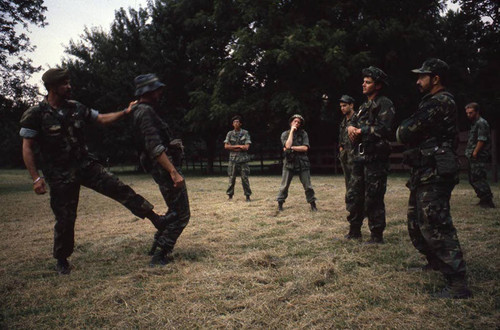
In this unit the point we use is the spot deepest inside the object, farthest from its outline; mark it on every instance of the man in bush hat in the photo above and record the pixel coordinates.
(430, 135)
(295, 145)
(56, 126)
(162, 156)
(345, 146)
(369, 132)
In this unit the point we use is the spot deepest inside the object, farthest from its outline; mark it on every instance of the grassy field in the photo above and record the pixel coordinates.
(238, 264)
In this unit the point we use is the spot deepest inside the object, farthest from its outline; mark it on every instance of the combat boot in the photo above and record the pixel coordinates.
(354, 233)
(487, 204)
(248, 199)
(456, 288)
(161, 257)
(313, 207)
(375, 239)
(280, 206)
(164, 220)
(63, 267)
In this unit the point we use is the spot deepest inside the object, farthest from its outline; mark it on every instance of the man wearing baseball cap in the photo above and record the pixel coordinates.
(430, 135)
(346, 104)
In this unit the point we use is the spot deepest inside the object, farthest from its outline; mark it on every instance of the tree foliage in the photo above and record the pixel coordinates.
(15, 67)
(268, 59)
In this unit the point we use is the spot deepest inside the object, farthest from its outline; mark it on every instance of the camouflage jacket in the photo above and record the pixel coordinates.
(153, 136)
(59, 134)
(430, 134)
(297, 161)
(241, 137)
(344, 140)
(374, 118)
(479, 131)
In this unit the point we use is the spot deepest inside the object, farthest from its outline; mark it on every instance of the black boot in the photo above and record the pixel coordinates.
(313, 207)
(354, 233)
(280, 206)
(375, 239)
(487, 204)
(248, 199)
(162, 221)
(161, 257)
(63, 267)
(456, 288)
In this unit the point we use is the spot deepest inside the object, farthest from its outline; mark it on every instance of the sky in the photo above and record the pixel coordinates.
(67, 20)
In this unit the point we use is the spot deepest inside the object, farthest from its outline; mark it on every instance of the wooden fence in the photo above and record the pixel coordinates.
(324, 159)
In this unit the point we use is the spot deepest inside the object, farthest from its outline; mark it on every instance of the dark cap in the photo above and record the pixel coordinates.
(346, 99)
(297, 116)
(146, 83)
(433, 66)
(54, 76)
(376, 74)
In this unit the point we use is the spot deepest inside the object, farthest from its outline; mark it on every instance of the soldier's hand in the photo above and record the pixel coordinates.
(39, 187)
(177, 179)
(353, 132)
(130, 107)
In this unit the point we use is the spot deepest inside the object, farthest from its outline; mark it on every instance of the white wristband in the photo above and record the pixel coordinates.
(38, 179)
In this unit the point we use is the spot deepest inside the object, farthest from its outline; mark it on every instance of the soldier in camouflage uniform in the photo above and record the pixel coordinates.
(295, 145)
(238, 142)
(430, 134)
(478, 155)
(369, 131)
(162, 156)
(56, 125)
(345, 145)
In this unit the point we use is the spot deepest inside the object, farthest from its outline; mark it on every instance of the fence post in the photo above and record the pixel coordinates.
(494, 151)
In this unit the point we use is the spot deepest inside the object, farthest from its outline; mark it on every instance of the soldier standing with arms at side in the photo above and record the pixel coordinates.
(238, 142)
(56, 125)
(369, 131)
(430, 134)
(295, 143)
(478, 154)
(162, 157)
(345, 145)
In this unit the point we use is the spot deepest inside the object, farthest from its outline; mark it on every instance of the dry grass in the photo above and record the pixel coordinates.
(237, 264)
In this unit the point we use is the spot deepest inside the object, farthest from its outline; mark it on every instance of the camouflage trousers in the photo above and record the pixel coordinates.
(478, 179)
(346, 163)
(365, 195)
(431, 227)
(233, 169)
(286, 179)
(64, 195)
(177, 201)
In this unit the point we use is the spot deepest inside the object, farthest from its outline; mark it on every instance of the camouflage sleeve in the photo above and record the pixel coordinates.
(228, 136)
(483, 131)
(144, 123)
(382, 124)
(247, 138)
(420, 123)
(30, 123)
(284, 137)
(305, 139)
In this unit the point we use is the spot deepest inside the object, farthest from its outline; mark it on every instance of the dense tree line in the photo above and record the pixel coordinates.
(268, 59)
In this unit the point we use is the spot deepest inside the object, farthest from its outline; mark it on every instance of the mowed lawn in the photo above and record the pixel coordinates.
(238, 264)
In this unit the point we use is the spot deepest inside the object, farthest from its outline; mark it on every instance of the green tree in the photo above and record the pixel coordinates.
(15, 67)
